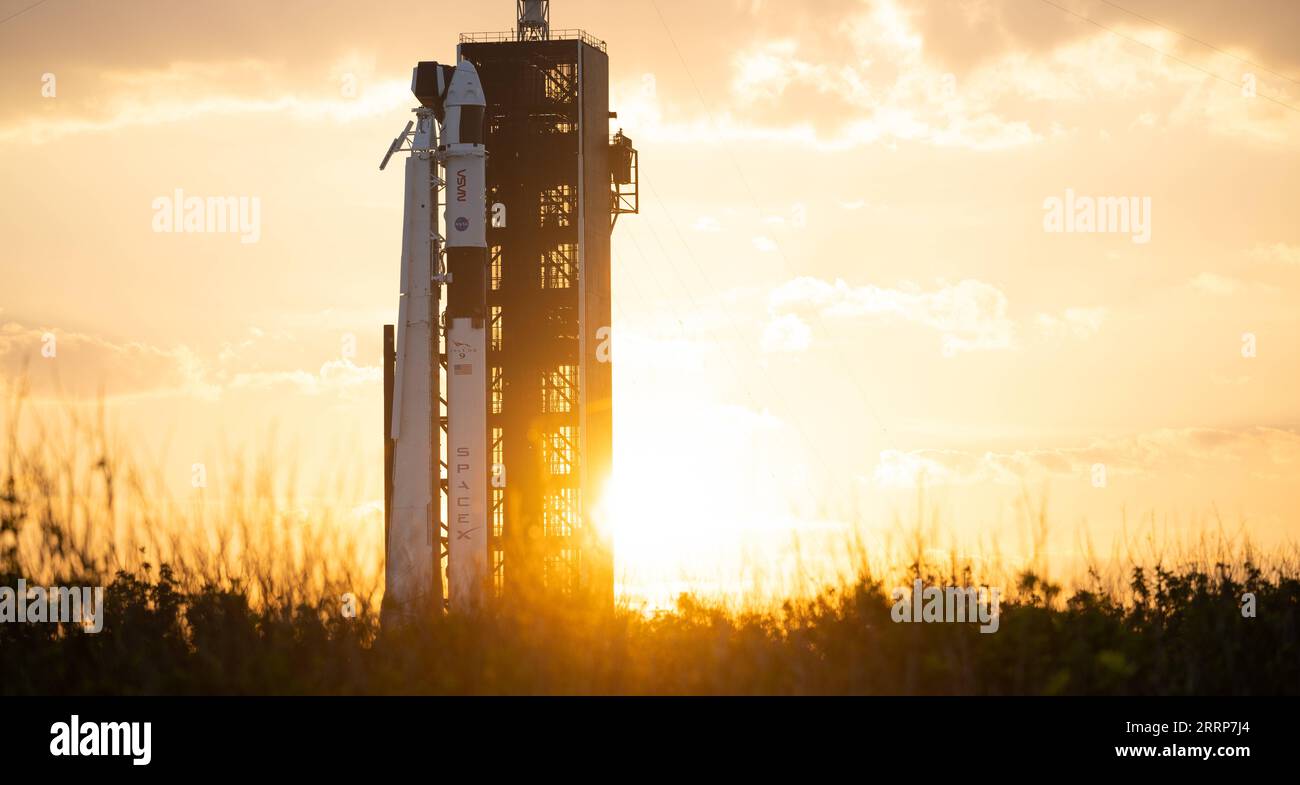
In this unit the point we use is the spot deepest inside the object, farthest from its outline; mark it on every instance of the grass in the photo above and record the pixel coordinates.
(235, 599)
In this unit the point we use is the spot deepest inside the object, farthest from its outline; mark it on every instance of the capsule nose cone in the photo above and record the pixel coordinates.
(465, 89)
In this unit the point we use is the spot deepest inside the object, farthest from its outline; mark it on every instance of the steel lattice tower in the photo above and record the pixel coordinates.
(556, 182)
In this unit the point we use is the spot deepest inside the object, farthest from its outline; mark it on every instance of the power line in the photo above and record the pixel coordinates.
(1162, 53)
(793, 412)
(20, 13)
(754, 201)
(1206, 44)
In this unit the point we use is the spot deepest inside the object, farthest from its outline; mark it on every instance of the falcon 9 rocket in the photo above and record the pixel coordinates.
(453, 97)
(463, 158)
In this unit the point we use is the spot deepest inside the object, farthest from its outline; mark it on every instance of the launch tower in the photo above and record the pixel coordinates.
(556, 182)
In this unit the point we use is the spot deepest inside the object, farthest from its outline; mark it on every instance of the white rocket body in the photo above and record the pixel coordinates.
(413, 589)
(454, 99)
(463, 157)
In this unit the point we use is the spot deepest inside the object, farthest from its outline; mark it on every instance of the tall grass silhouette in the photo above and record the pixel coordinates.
(237, 596)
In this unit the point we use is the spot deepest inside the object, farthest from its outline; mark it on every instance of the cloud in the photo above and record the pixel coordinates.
(62, 364)
(1147, 452)
(991, 76)
(786, 333)
(872, 85)
(57, 362)
(186, 92)
(1078, 323)
(269, 360)
(901, 469)
(335, 377)
(1277, 253)
(969, 315)
(766, 70)
(1217, 285)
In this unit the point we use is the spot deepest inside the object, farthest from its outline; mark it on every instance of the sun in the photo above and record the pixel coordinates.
(688, 520)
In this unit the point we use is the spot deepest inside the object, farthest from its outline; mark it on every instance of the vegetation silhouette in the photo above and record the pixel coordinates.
(251, 604)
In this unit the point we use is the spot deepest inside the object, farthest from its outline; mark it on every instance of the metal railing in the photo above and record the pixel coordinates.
(513, 35)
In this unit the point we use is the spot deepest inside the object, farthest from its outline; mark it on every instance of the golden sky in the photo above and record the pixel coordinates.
(841, 284)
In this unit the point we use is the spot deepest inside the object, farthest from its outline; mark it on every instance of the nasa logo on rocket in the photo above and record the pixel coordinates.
(462, 223)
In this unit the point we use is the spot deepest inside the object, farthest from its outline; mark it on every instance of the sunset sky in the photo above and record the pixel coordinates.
(839, 287)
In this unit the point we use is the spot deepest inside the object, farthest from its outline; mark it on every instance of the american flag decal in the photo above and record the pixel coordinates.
(462, 369)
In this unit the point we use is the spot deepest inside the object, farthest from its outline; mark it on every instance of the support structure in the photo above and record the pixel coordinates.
(556, 180)
(524, 373)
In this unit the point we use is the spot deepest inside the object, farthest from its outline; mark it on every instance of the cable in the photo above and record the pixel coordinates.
(1206, 44)
(737, 377)
(785, 262)
(20, 13)
(1112, 31)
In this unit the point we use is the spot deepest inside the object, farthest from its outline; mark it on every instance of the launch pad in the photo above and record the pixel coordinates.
(555, 183)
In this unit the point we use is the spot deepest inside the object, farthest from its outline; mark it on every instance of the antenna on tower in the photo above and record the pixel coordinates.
(533, 19)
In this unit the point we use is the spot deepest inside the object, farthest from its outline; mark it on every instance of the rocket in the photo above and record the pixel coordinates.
(412, 563)
(453, 99)
(463, 157)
